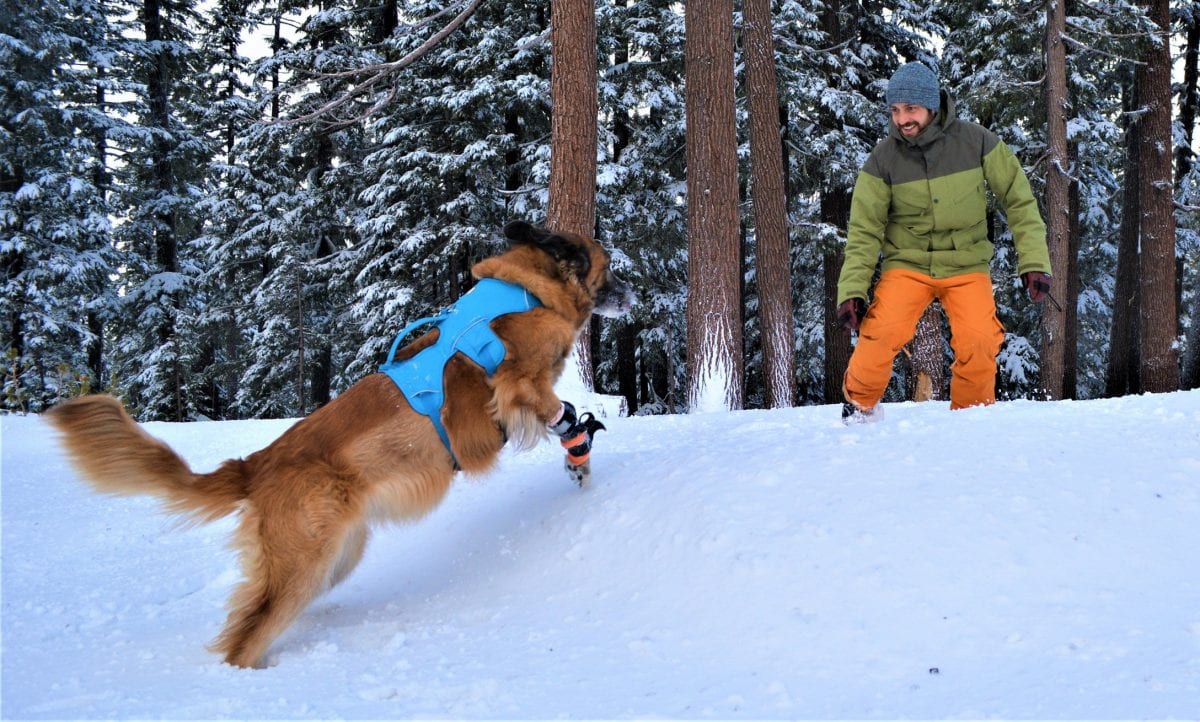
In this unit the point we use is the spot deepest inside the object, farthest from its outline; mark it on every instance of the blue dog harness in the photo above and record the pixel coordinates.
(463, 327)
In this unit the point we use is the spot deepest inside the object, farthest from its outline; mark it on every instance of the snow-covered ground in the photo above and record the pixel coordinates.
(1027, 560)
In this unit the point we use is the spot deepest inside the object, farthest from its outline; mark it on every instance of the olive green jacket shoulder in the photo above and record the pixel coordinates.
(922, 203)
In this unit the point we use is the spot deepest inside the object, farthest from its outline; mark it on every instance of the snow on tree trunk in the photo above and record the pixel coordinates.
(713, 381)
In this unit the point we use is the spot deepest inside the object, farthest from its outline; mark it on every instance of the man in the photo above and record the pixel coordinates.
(920, 202)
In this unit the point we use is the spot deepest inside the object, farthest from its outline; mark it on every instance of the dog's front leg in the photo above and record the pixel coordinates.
(576, 433)
(524, 407)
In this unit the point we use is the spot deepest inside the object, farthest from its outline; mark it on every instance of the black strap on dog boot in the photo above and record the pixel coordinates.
(576, 434)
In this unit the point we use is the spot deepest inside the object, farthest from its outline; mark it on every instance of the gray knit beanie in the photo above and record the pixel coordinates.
(914, 83)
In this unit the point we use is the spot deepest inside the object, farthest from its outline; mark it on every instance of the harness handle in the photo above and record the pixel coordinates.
(409, 329)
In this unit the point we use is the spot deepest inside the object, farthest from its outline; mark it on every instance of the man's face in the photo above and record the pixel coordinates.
(911, 119)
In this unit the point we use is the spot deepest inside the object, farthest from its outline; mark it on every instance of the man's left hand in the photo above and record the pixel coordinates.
(1037, 284)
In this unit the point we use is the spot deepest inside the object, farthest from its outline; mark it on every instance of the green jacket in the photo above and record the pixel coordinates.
(921, 202)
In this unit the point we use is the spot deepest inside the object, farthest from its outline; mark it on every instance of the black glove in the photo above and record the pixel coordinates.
(1037, 284)
(850, 313)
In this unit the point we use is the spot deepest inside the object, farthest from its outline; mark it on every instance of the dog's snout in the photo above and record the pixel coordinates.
(616, 296)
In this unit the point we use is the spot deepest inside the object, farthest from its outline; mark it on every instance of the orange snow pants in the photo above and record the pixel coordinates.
(901, 296)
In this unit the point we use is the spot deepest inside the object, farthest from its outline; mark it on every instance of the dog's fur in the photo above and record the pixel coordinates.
(307, 499)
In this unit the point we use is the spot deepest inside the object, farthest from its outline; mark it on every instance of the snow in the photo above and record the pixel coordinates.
(712, 387)
(1025, 560)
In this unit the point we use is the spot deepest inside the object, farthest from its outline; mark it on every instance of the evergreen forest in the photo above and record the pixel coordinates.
(226, 209)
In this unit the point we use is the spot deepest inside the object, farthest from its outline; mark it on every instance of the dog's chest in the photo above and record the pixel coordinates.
(406, 496)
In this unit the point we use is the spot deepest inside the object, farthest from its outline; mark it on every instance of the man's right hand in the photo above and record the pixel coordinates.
(850, 313)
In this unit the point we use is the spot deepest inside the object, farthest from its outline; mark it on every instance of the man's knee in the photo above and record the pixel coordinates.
(886, 333)
(977, 340)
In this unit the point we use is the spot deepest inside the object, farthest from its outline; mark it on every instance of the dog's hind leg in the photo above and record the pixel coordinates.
(349, 555)
(288, 561)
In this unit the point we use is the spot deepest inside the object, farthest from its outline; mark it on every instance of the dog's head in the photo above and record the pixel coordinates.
(582, 260)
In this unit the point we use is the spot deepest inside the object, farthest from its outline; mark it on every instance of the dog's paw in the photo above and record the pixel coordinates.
(581, 474)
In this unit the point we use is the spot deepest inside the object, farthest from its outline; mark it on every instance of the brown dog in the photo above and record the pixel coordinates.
(307, 499)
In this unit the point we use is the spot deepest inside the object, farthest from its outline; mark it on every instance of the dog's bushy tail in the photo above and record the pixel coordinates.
(118, 457)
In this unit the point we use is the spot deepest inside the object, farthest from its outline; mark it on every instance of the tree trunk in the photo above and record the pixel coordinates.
(101, 179)
(1185, 158)
(632, 376)
(302, 406)
(1121, 374)
(512, 157)
(1058, 222)
(1189, 97)
(773, 260)
(714, 311)
(572, 203)
(277, 46)
(387, 19)
(627, 366)
(835, 211)
(1071, 303)
(927, 358)
(1159, 358)
(1191, 370)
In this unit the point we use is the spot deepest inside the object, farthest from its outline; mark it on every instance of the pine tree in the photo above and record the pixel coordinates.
(222, 287)
(466, 150)
(248, 235)
(54, 227)
(288, 215)
(640, 211)
(156, 188)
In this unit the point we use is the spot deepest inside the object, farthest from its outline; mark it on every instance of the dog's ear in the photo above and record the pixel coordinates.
(559, 248)
(523, 232)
